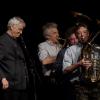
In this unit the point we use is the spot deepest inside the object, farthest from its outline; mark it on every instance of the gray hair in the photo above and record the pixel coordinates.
(16, 21)
(48, 26)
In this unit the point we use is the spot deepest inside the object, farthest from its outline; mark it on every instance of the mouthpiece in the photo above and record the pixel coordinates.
(61, 39)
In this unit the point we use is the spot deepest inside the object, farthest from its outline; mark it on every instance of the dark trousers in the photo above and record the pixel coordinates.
(66, 90)
(54, 90)
(10, 94)
(88, 91)
(48, 89)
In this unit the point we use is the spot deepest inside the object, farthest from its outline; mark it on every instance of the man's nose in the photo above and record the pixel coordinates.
(82, 35)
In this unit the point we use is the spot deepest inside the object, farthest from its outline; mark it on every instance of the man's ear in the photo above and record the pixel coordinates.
(11, 28)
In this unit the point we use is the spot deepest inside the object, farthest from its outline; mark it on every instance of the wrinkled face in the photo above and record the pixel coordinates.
(73, 39)
(83, 34)
(53, 34)
(17, 30)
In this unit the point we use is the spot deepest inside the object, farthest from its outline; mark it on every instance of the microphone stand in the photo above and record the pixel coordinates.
(31, 69)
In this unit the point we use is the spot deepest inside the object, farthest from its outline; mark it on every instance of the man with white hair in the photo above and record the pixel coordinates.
(13, 70)
(48, 51)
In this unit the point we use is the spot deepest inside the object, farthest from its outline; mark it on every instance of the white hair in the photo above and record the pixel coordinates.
(15, 21)
(48, 26)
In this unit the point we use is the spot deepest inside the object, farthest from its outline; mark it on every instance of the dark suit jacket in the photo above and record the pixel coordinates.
(12, 63)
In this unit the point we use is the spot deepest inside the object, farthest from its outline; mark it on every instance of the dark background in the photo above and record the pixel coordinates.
(38, 13)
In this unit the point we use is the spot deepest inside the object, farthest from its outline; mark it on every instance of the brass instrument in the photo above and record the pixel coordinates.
(92, 53)
(61, 39)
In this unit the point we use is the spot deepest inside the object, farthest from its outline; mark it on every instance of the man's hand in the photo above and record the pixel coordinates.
(5, 83)
(86, 63)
